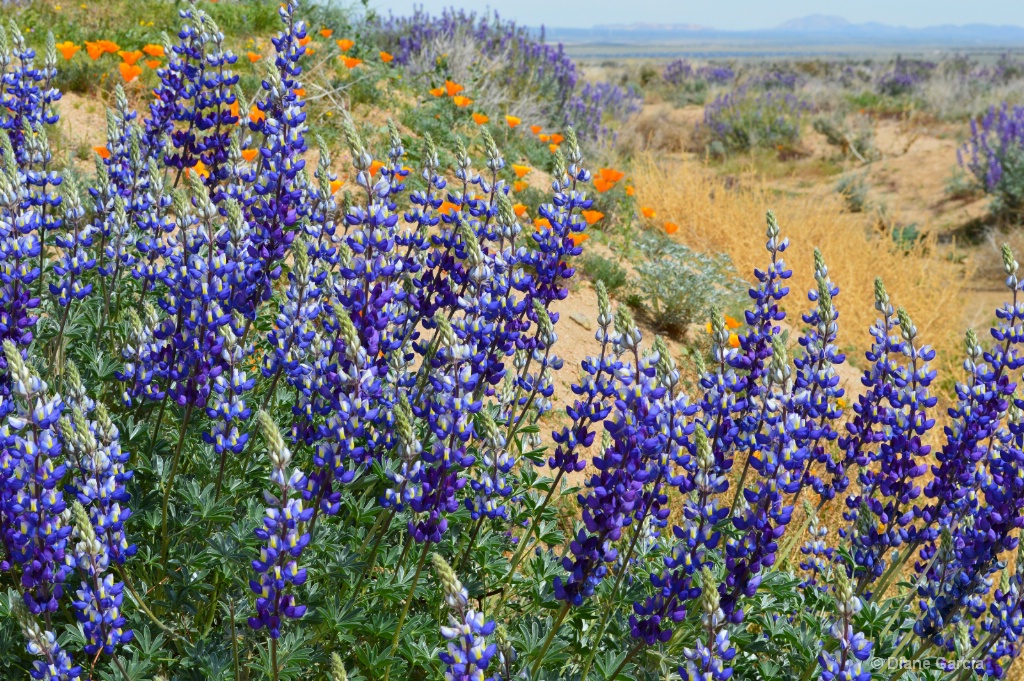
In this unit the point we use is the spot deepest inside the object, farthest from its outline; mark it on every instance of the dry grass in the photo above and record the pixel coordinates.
(713, 217)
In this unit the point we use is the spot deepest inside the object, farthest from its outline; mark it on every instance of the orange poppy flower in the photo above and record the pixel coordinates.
(154, 50)
(732, 323)
(544, 138)
(255, 115)
(326, 32)
(94, 49)
(250, 154)
(67, 49)
(234, 108)
(200, 169)
(253, 57)
(310, 50)
(647, 212)
(557, 139)
(480, 119)
(578, 239)
(102, 152)
(519, 186)
(602, 185)
(521, 171)
(453, 88)
(447, 207)
(130, 58)
(538, 223)
(513, 121)
(437, 92)
(153, 63)
(592, 216)
(611, 175)
(351, 62)
(553, 147)
(535, 129)
(519, 209)
(129, 71)
(300, 92)
(304, 41)
(734, 340)
(387, 58)
(344, 44)
(671, 228)
(374, 167)
(335, 186)
(109, 46)
(630, 191)
(461, 101)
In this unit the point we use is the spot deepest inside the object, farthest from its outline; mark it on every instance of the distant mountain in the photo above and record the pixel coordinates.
(816, 29)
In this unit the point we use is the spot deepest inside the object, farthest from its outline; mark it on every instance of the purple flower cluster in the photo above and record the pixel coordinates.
(994, 153)
(748, 118)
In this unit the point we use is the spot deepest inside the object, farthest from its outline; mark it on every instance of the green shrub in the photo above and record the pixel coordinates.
(609, 272)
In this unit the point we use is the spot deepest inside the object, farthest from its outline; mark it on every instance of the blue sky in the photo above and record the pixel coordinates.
(730, 14)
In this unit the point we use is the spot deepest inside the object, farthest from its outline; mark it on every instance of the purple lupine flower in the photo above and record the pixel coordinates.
(819, 554)
(35, 530)
(710, 659)
(847, 663)
(76, 259)
(468, 655)
(283, 537)
(56, 664)
(1005, 626)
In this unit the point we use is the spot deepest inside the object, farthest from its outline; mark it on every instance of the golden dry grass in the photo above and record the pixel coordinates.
(715, 218)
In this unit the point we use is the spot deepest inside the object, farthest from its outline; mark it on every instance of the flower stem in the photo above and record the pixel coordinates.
(551, 637)
(164, 538)
(405, 609)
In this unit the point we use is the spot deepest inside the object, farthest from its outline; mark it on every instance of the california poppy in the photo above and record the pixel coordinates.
(335, 186)
(386, 58)
(734, 340)
(592, 216)
(326, 32)
(130, 58)
(102, 152)
(109, 46)
(520, 171)
(200, 169)
(453, 88)
(578, 239)
(480, 119)
(129, 71)
(67, 49)
(344, 44)
(253, 56)
(255, 115)
(553, 147)
(557, 139)
(731, 322)
(541, 222)
(461, 101)
(535, 129)
(94, 49)
(249, 154)
(602, 185)
(304, 41)
(153, 63)
(300, 92)
(375, 165)
(519, 209)
(544, 138)
(647, 212)
(611, 175)
(446, 208)
(630, 191)
(351, 62)
(512, 121)
(154, 50)
(233, 109)
(437, 91)
(519, 185)
(671, 228)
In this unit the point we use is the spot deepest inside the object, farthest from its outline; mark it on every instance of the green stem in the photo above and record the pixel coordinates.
(273, 659)
(165, 539)
(142, 604)
(469, 547)
(632, 653)
(551, 637)
(405, 609)
(372, 559)
(234, 636)
(159, 421)
(605, 616)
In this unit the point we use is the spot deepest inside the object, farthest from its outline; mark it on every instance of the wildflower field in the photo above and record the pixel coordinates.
(342, 345)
